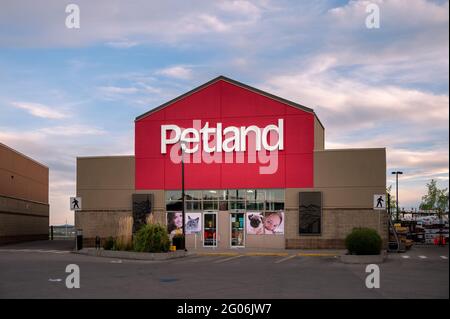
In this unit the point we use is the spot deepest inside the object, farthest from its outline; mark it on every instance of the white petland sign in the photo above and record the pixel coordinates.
(228, 139)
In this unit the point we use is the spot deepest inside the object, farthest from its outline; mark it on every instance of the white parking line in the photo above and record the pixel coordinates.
(36, 251)
(444, 257)
(284, 259)
(406, 257)
(116, 261)
(227, 259)
(423, 257)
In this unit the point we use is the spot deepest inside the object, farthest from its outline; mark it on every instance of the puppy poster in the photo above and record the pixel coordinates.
(267, 223)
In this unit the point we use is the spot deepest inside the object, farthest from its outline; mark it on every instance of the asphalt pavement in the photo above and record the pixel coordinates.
(37, 270)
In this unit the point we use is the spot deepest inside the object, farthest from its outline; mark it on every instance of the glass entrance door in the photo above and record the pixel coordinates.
(237, 223)
(210, 229)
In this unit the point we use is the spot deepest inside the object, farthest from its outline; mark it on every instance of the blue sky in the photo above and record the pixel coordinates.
(75, 92)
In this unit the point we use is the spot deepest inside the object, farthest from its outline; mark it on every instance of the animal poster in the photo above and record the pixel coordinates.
(193, 223)
(268, 223)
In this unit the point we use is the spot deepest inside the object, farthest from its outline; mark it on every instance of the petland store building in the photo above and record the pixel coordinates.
(256, 175)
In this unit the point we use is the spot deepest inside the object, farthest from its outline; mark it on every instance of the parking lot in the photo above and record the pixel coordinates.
(38, 271)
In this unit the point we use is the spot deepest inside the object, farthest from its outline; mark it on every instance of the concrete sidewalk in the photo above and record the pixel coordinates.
(266, 252)
(43, 245)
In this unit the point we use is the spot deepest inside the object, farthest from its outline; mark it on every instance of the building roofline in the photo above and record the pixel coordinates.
(23, 155)
(103, 156)
(237, 83)
(352, 149)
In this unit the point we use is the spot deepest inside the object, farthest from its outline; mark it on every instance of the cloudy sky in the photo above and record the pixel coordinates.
(75, 92)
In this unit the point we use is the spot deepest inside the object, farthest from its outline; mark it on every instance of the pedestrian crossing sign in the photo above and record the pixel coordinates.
(75, 203)
(379, 201)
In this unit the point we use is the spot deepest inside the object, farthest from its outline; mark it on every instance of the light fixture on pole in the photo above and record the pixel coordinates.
(183, 210)
(396, 173)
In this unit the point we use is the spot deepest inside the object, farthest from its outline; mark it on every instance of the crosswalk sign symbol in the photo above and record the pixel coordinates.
(75, 203)
(379, 201)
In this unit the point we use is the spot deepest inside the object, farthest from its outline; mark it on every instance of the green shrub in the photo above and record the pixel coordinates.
(109, 243)
(363, 241)
(151, 238)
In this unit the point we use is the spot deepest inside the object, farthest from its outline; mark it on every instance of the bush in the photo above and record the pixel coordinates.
(363, 241)
(151, 238)
(123, 243)
(109, 243)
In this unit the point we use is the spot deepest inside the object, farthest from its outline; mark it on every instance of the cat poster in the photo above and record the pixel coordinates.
(193, 223)
(268, 223)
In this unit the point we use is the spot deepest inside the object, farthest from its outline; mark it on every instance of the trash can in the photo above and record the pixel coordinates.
(79, 242)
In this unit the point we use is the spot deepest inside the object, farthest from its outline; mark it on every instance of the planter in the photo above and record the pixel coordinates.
(363, 259)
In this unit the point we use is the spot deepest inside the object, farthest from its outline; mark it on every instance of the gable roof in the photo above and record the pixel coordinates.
(237, 83)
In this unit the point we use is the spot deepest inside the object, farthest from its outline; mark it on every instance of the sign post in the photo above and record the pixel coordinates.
(379, 203)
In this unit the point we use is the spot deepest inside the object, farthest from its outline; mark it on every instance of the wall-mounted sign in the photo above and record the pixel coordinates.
(379, 201)
(220, 128)
(75, 203)
(230, 139)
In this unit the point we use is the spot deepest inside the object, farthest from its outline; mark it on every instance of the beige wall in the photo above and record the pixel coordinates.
(22, 177)
(105, 183)
(347, 179)
(319, 135)
(24, 209)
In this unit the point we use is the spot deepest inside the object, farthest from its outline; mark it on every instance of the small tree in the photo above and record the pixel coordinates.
(436, 199)
(392, 203)
(363, 241)
(151, 238)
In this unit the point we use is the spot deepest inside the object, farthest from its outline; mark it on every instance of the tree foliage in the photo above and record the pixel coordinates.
(436, 199)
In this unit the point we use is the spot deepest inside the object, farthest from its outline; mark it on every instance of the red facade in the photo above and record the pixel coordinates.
(232, 105)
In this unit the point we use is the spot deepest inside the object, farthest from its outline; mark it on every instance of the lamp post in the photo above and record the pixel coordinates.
(183, 197)
(396, 173)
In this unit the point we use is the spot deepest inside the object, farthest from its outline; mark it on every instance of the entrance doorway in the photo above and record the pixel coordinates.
(210, 229)
(237, 237)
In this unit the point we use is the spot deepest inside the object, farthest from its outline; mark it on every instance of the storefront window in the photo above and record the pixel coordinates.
(259, 206)
(210, 205)
(237, 205)
(274, 205)
(232, 199)
(255, 194)
(211, 194)
(174, 205)
(275, 195)
(173, 195)
(193, 205)
(193, 195)
(236, 194)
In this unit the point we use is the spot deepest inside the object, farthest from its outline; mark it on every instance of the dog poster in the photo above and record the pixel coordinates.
(268, 223)
(193, 223)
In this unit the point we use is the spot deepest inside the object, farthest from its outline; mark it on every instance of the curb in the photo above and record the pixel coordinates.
(131, 254)
(316, 255)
